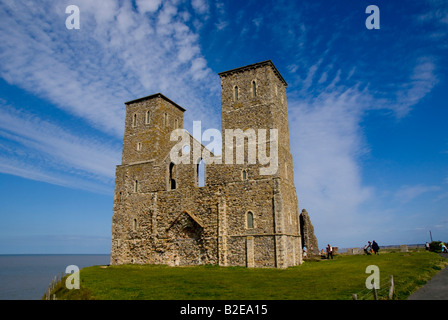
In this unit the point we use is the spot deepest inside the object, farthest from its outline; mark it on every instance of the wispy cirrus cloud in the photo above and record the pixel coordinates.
(327, 144)
(408, 193)
(119, 53)
(331, 91)
(40, 150)
(337, 72)
(200, 6)
(421, 81)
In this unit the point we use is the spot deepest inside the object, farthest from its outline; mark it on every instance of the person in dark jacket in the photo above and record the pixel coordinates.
(375, 247)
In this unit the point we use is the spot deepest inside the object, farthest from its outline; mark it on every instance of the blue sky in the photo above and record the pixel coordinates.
(367, 108)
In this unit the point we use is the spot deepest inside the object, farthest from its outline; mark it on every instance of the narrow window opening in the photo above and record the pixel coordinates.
(176, 123)
(172, 181)
(134, 224)
(134, 120)
(254, 89)
(235, 93)
(165, 120)
(201, 173)
(244, 173)
(135, 185)
(148, 117)
(139, 146)
(250, 220)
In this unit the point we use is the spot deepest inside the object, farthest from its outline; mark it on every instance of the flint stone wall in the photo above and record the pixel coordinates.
(309, 239)
(156, 223)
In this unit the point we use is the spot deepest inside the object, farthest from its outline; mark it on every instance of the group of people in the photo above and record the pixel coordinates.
(371, 247)
(443, 247)
(328, 253)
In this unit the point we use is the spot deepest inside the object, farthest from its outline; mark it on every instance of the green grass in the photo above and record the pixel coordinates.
(320, 280)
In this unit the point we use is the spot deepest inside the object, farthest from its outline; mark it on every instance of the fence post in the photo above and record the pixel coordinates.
(392, 287)
(375, 293)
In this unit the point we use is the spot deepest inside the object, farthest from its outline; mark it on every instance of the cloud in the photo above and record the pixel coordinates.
(437, 12)
(328, 102)
(91, 72)
(50, 153)
(200, 6)
(421, 81)
(122, 53)
(258, 22)
(221, 21)
(119, 54)
(148, 5)
(327, 143)
(221, 24)
(16, 167)
(408, 193)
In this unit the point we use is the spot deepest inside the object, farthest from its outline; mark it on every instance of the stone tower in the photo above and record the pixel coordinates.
(246, 214)
(254, 97)
(149, 121)
(309, 239)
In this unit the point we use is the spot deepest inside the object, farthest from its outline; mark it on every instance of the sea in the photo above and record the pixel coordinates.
(27, 276)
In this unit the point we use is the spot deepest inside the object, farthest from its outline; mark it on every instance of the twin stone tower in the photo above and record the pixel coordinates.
(236, 210)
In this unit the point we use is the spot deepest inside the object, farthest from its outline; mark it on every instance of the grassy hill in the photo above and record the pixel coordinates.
(334, 279)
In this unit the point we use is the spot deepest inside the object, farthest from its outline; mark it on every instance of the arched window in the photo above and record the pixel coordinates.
(134, 224)
(135, 185)
(134, 120)
(165, 120)
(250, 220)
(147, 117)
(172, 181)
(244, 174)
(139, 146)
(201, 173)
(235, 93)
(254, 89)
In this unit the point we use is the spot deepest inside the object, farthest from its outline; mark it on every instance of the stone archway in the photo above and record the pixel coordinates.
(185, 240)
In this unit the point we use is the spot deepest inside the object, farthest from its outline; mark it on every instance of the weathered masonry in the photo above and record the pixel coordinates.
(163, 214)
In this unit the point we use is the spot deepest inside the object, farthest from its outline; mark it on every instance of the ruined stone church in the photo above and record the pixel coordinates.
(164, 214)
